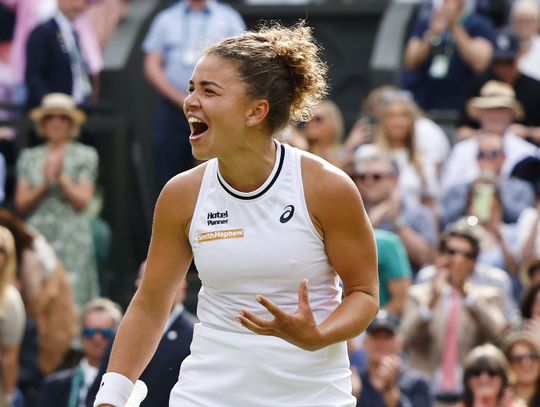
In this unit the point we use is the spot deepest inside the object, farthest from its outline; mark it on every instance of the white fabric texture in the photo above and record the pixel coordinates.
(262, 242)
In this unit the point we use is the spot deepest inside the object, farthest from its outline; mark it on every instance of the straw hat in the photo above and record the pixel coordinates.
(492, 95)
(58, 103)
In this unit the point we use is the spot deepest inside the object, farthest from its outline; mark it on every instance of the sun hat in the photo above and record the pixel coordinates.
(58, 103)
(492, 95)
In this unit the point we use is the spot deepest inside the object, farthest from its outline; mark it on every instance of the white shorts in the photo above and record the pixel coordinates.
(227, 369)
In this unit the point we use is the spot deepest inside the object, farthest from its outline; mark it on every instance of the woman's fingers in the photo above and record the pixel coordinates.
(303, 297)
(252, 326)
(254, 319)
(271, 307)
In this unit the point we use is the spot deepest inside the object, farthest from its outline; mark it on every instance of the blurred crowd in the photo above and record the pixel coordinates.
(455, 209)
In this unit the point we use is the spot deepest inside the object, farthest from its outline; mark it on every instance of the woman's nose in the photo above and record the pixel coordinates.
(191, 100)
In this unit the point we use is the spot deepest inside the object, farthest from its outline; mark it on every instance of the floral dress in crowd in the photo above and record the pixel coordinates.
(67, 230)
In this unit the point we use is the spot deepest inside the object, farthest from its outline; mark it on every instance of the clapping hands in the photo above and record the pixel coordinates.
(299, 328)
(52, 168)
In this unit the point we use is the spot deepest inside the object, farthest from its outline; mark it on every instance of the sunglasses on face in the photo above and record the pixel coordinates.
(91, 332)
(62, 117)
(533, 357)
(482, 154)
(452, 252)
(478, 371)
(375, 177)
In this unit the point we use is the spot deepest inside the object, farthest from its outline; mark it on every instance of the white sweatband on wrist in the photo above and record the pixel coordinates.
(114, 389)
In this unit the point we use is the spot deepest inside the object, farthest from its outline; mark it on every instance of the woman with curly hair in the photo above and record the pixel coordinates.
(260, 219)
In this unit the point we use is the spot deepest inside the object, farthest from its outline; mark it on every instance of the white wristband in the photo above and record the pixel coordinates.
(114, 389)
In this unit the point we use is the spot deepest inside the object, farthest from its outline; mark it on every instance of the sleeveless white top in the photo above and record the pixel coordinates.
(261, 242)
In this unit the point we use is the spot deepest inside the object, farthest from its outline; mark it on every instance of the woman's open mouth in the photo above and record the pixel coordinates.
(198, 127)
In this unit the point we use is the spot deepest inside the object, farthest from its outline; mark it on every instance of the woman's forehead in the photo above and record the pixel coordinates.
(214, 68)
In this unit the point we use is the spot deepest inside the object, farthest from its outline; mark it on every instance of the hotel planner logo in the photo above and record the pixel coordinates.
(217, 218)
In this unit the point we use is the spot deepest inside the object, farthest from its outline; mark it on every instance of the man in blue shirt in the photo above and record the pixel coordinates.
(176, 39)
(385, 382)
(445, 51)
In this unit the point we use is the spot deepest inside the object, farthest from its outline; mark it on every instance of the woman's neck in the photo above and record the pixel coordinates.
(396, 144)
(249, 167)
(524, 391)
(57, 145)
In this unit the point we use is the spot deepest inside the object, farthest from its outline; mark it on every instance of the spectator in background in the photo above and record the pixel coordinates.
(324, 132)
(55, 61)
(523, 352)
(496, 109)
(173, 45)
(504, 68)
(498, 239)
(444, 52)
(528, 230)
(394, 271)
(12, 320)
(387, 382)
(525, 21)
(99, 320)
(46, 291)
(29, 14)
(515, 195)
(418, 181)
(55, 183)
(430, 139)
(481, 274)
(376, 176)
(487, 379)
(449, 315)
(530, 310)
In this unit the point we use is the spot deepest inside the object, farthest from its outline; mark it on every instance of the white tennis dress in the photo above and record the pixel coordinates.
(261, 242)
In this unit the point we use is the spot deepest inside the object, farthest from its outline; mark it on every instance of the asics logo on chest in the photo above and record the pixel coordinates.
(288, 214)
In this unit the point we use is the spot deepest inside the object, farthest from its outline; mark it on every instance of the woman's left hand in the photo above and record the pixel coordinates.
(298, 328)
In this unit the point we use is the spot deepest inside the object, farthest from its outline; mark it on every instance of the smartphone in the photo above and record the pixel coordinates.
(482, 202)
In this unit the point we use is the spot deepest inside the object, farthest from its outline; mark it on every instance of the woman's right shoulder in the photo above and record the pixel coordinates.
(31, 151)
(180, 193)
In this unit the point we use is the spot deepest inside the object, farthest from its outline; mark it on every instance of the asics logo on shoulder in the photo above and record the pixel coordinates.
(287, 215)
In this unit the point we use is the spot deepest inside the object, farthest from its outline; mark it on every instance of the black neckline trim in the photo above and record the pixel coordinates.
(272, 182)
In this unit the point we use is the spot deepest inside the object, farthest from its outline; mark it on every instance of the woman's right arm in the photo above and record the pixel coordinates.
(169, 258)
(27, 196)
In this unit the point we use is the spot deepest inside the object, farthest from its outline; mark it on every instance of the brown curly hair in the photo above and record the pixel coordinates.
(281, 65)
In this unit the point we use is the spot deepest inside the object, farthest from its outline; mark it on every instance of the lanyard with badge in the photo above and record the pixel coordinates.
(193, 47)
(443, 52)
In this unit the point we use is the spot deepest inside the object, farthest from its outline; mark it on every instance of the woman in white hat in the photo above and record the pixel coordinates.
(55, 183)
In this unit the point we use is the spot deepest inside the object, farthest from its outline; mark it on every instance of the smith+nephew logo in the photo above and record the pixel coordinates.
(220, 234)
(217, 218)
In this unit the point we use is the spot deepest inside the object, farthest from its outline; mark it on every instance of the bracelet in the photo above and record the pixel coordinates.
(114, 389)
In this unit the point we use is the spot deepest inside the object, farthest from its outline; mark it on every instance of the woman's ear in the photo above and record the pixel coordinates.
(258, 112)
